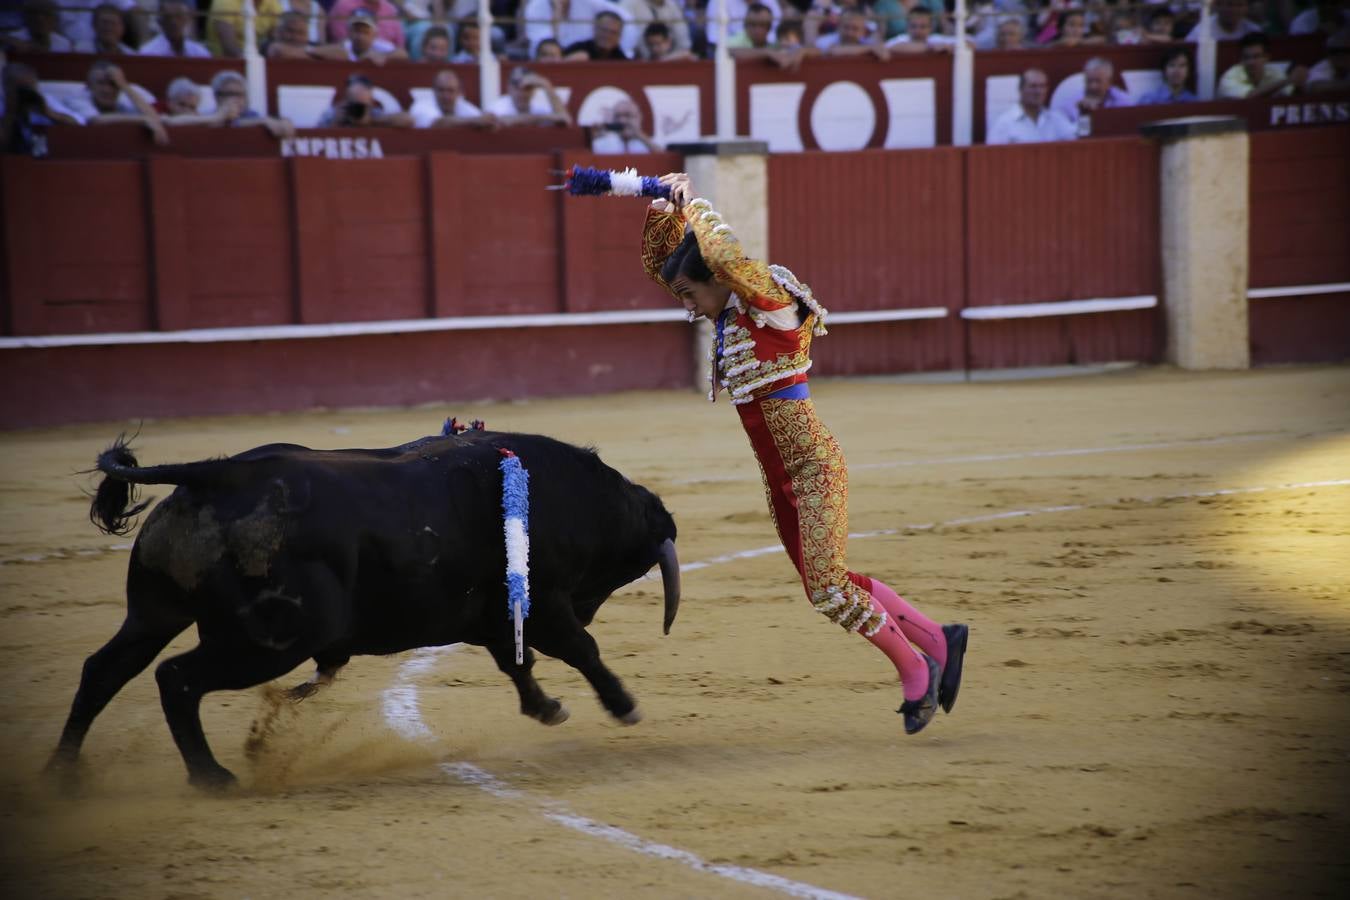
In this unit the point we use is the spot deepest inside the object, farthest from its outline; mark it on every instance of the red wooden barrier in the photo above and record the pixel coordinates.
(1300, 235)
(496, 239)
(223, 240)
(134, 142)
(77, 247)
(1302, 111)
(875, 230)
(1067, 221)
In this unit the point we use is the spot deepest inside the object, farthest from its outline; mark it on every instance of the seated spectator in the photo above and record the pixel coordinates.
(791, 35)
(988, 15)
(77, 23)
(313, 14)
(1029, 121)
(530, 99)
(736, 13)
(752, 42)
(1125, 30)
(225, 25)
(623, 132)
(1012, 34)
(363, 43)
(643, 13)
(468, 42)
(40, 33)
(108, 99)
(548, 50)
(1073, 29)
(359, 109)
(569, 22)
(852, 38)
(659, 47)
(175, 33)
(1159, 25)
(607, 31)
(919, 36)
(28, 113)
(1332, 73)
(449, 109)
(757, 28)
(435, 45)
(893, 15)
(290, 38)
(182, 98)
(1253, 76)
(230, 91)
(1176, 78)
(1329, 17)
(1096, 93)
(110, 31)
(383, 17)
(1229, 22)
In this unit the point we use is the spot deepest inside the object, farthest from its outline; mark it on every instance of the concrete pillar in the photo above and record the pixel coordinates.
(732, 175)
(1203, 177)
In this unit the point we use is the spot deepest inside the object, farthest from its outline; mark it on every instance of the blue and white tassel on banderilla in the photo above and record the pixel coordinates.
(516, 522)
(584, 181)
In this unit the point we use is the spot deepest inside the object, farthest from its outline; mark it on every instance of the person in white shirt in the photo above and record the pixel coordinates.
(920, 37)
(1229, 23)
(77, 21)
(530, 99)
(1327, 16)
(642, 13)
(109, 33)
(363, 43)
(1029, 121)
(623, 132)
(39, 34)
(568, 21)
(175, 26)
(449, 109)
(1097, 92)
(108, 99)
(1254, 77)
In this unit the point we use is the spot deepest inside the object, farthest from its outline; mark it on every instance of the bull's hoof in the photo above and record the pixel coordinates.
(215, 781)
(632, 717)
(302, 691)
(553, 713)
(62, 773)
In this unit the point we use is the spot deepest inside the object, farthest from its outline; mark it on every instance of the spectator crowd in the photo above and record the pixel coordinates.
(783, 33)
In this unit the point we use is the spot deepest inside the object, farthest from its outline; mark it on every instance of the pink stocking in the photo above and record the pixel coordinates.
(913, 670)
(915, 625)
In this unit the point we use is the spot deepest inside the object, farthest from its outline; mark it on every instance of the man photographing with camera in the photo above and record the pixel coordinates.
(623, 132)
(360, 109)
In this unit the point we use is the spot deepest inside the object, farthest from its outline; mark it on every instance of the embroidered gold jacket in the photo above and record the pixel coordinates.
(763, 343)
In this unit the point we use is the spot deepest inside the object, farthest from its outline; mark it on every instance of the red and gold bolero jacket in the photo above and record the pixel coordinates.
(762, 342)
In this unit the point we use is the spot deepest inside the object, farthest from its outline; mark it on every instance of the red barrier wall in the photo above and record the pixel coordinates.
(1300, 234)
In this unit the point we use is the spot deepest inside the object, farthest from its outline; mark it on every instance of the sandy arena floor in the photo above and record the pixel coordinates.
(1155, 566)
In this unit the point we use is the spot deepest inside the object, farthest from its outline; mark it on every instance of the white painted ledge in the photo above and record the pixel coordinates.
(886, 315)
(1298, 290)
(1061, 308)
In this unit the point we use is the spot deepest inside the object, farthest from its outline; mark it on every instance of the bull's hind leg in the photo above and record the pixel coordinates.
(561, 636)
(106, 672)
(184, 680)
(533, 701)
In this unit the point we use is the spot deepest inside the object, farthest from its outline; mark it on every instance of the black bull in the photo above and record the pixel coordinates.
(283, 554)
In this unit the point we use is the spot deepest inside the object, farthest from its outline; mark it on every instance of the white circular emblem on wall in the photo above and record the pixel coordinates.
(599, 105)
(843, 117)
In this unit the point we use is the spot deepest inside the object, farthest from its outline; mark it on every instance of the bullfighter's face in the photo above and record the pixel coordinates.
(701, 298)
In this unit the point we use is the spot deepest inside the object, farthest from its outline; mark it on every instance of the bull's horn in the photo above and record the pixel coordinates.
(670, 579)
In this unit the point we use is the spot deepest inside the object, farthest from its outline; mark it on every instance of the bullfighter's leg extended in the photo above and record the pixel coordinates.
(155, 616)
(533, 701)
(558, 633)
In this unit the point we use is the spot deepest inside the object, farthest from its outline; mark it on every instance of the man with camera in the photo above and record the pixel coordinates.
(623, 132)
(360, 109)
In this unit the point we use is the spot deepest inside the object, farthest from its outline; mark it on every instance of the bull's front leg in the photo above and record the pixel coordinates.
(555, 631)
(533, 701)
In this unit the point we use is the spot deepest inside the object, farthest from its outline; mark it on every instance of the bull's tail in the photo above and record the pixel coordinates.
(115, 505)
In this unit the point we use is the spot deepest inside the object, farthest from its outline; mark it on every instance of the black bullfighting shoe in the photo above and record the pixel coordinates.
(919, 713)
(950, 684)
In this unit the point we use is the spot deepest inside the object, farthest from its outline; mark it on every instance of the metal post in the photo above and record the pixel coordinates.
(724, 77)
(255, 66)
(963, 82)
(1206, 56)
(489, 73)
